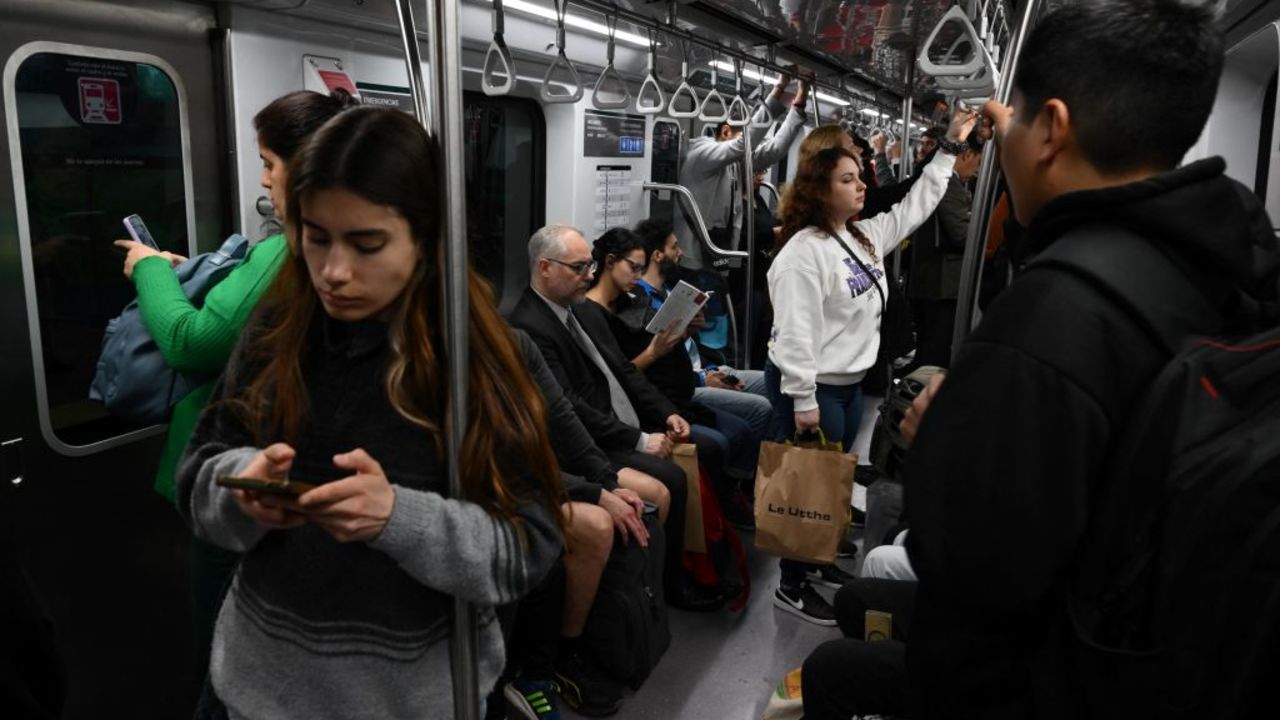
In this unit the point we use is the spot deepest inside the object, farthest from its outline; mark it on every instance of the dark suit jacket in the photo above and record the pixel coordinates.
(583, 383)
(938, 246)
(586, 469)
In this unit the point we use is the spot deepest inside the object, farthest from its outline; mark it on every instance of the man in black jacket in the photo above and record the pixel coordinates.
(626, 416)
(1108, 96)
(936, 251)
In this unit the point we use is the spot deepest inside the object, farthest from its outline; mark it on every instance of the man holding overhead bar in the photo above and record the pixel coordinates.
(710, 171)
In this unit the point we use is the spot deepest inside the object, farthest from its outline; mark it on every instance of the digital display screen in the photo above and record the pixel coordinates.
(613, 134)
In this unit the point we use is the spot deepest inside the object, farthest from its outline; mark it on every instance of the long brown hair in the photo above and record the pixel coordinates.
(385, 157)
(805, 201)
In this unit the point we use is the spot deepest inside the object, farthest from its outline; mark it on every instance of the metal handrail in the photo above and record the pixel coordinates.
(685, 87)
(562, 7)
(445, 125)
(651, 81)
(596, 100)
(699, 225)
(748, 324)
(498, 49)
(773, 190)
(984, 195)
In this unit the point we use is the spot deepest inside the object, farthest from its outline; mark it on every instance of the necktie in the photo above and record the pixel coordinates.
(617, 396)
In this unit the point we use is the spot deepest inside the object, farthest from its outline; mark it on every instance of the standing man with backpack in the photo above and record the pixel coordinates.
(1063, 570)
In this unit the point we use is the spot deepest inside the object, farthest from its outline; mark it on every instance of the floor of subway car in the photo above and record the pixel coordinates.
(724, 665)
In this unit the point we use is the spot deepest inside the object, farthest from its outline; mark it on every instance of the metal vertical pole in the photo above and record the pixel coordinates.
(984, 195)
(904, 164)
(445, 125)
(749, 312)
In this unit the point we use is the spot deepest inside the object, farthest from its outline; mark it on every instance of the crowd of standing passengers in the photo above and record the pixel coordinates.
(329, 334)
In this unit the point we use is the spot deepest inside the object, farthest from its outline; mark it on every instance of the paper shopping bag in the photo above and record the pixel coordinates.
(686, 456)
(802, 499)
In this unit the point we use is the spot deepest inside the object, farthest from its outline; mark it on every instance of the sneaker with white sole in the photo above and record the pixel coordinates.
(532, 699)
(829, 576)
(805, 603)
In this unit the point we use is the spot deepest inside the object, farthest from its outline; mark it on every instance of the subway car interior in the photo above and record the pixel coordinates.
(547, 113)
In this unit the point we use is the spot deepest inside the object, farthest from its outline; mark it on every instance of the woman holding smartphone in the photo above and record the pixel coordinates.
(198, 340)
(827, 284)
(341, 604)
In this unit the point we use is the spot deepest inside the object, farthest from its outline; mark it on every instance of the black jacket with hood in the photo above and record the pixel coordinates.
(999, 478)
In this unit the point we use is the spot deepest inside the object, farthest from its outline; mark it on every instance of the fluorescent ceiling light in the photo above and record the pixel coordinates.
(755, 75)
(575, 21)
(870, 111)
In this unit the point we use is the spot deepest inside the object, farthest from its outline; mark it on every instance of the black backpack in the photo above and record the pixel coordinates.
(1174, 600)
(627, 631)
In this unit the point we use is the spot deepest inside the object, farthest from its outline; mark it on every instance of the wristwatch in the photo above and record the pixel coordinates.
(951, 148)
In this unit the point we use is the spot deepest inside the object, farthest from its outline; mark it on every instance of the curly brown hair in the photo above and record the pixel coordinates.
(804, 203)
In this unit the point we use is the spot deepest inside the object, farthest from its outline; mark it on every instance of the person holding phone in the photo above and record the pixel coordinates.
(828, 288)
(199, 340)
(343, 597)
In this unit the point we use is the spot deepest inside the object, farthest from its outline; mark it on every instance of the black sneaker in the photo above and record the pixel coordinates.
(584, 690)
(805, 603)
(829, 576)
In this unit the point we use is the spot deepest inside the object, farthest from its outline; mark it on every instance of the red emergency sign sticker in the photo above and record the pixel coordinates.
(334, 80)
(99, 101)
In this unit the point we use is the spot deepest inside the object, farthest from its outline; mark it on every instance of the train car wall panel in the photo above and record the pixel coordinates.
(267, 60)
(1236, 128)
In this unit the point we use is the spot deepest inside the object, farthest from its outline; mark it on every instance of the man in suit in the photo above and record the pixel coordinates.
(629, 419)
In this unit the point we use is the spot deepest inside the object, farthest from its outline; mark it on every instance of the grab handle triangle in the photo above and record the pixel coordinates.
(488, 77)
(572, 96)
(972, 65)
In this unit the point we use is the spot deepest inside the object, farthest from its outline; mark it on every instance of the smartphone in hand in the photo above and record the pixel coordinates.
(273, 487)
(138, 231)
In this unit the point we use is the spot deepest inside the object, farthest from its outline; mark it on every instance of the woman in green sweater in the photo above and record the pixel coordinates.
(199, 340)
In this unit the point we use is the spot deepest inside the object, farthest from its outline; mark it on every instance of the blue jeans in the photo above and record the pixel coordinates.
(840, 413)
(839, 407)
(751, 403)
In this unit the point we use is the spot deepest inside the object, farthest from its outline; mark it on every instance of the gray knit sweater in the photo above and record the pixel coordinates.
(314, 628)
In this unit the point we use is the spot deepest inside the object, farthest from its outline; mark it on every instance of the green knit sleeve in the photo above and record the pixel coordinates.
(200, 339)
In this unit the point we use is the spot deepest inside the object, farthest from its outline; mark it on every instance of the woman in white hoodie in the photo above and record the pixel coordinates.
(827, 284)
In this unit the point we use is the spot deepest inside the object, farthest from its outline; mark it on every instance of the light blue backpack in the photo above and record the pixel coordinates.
(133, 380)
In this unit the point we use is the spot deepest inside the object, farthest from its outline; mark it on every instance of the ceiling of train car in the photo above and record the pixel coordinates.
(857, 44)
(868, 42)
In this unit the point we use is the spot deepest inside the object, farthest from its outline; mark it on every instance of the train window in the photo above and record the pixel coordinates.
(1265, 132)
(664, 167)
(505, 141)
(94, 136)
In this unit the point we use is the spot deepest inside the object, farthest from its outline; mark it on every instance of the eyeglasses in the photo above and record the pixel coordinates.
(586, 267)
(637, 268)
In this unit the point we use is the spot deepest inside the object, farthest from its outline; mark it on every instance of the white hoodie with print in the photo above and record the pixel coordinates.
(826, 311)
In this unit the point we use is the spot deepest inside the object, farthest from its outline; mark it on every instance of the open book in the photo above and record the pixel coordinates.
(682, 303)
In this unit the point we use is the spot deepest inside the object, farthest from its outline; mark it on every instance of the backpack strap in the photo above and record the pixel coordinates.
(1139, 275)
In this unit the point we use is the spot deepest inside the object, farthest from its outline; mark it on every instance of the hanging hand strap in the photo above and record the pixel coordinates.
(650, 86)
(498, 53)
(573, 96)
(625, 99)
